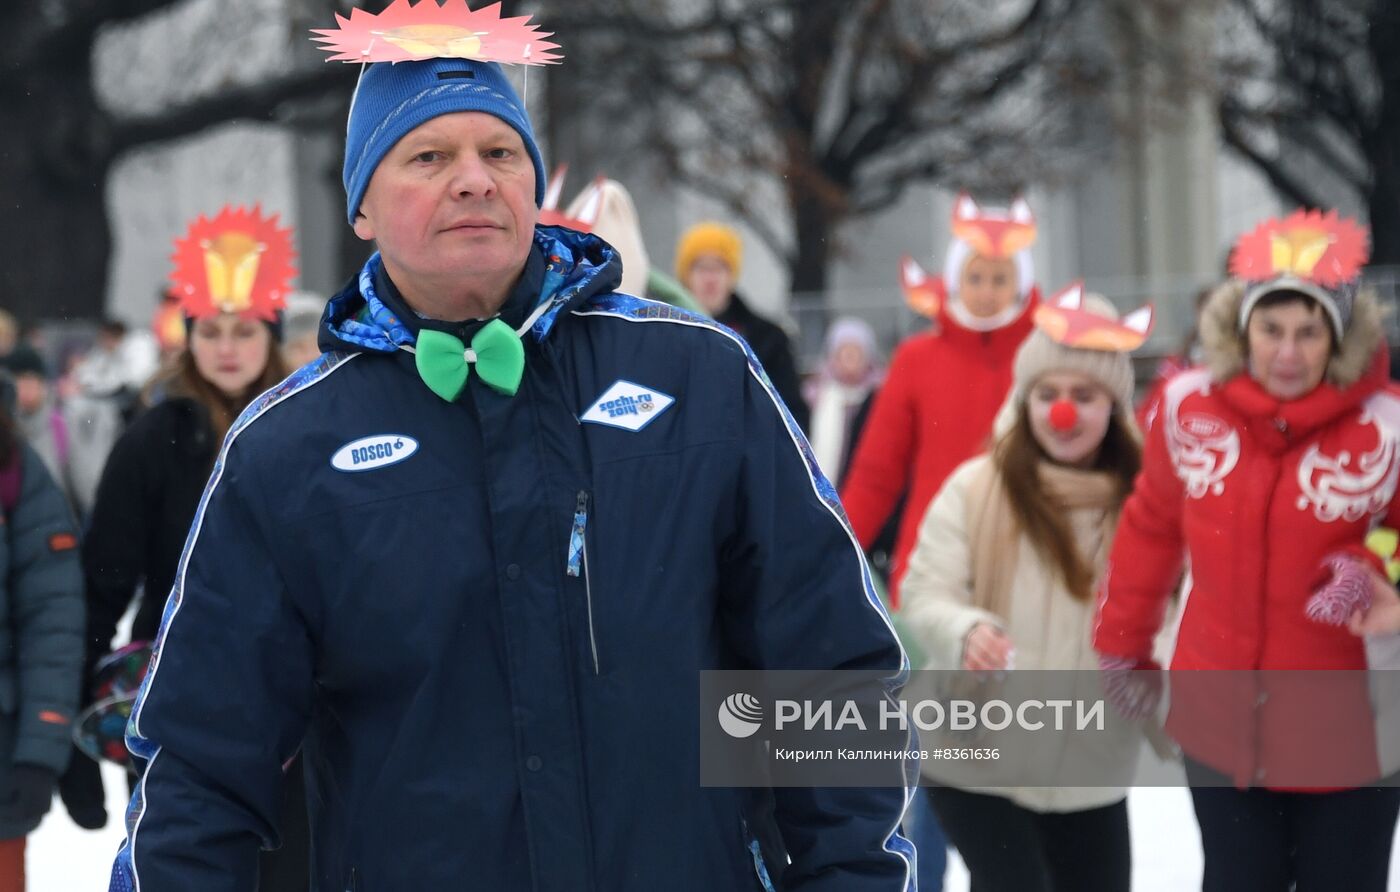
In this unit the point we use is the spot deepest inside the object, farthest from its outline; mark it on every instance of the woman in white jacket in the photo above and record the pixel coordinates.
(1002, 577)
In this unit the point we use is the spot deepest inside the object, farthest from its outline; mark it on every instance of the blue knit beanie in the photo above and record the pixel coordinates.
(395, 97)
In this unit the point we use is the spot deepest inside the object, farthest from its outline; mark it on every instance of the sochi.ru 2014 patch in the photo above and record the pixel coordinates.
(373, 452)
(627, 405)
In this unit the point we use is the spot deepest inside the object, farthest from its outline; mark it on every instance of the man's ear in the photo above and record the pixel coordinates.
(363, 227)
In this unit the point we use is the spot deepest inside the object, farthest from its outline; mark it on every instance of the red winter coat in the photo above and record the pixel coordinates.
(1256, 493)
(934, 412)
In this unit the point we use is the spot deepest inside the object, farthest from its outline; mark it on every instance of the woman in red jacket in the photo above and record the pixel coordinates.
(945, 385)
(1265, 470)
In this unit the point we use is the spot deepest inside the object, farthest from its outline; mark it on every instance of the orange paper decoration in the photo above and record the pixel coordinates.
(923, 293)
(991, 234)
(239, 262)
(1323, 248)
(1064, 320)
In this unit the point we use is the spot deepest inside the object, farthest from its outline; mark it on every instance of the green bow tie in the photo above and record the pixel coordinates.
(444, 362)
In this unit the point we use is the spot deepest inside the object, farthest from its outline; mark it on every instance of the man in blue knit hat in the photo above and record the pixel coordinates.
(476, 555)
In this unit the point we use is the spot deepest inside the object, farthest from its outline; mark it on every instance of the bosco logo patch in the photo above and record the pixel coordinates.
(374, 452)
(627, 405)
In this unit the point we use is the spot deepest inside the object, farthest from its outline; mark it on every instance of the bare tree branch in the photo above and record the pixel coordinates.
(258, 102)
(1287, 184)
(68, 26)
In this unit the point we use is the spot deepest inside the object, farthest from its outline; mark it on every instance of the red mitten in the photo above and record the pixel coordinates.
(1133, 687)
(1346, 590)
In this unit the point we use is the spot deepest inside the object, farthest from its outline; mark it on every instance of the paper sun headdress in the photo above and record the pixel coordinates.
(240, 262)
(1316, 253)
(413, 32)
(1065, 321)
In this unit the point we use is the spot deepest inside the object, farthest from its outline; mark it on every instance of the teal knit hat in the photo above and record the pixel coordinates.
(395, 97)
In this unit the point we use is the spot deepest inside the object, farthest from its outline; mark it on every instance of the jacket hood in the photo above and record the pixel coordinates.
(577, 267)
(1224, 346)
(619, 226)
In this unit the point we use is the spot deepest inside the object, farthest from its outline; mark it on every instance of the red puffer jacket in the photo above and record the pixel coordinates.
(934, 412)
(1255, 493)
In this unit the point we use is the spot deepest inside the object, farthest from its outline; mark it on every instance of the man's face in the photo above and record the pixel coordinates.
(452, 205)
(711, 281)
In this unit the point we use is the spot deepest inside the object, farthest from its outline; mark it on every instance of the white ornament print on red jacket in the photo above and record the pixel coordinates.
(1204, 448)
(1335, 487)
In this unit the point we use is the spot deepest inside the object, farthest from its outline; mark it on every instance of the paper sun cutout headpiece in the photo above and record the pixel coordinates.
(589, 202)
(239, 262)
(1316, 253)
(1318, 247)
(412, 32)
(1064, 320)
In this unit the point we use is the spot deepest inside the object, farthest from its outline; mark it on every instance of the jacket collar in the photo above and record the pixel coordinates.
(1009, 335)
(564, 269)
(1279, 424)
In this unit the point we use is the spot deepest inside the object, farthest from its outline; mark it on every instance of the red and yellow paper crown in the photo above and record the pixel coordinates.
(994, 234)
(239, 262)
(405, 32)
(1322, 248)
(1064, 320)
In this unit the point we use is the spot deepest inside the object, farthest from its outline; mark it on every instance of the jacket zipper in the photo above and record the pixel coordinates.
(578, 560)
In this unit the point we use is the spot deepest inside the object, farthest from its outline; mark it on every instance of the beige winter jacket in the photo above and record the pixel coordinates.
(1048, 627)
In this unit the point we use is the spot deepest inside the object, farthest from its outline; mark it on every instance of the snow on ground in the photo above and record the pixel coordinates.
(1166, 846)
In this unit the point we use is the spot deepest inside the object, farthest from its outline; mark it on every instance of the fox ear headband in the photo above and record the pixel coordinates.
(1064, 320)
(992, 233)
(995, 234)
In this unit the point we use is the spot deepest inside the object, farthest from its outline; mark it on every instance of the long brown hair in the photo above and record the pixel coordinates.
(181, 378)
(1018, 457)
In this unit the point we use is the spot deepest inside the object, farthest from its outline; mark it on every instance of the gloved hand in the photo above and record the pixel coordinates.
(1346, 587)
(1133, 687)
(30, 793)
(83, 793)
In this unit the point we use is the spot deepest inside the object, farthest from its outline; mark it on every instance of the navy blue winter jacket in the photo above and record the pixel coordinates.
(487, 618)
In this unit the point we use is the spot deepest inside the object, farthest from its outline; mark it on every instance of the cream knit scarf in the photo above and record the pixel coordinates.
(994, 536)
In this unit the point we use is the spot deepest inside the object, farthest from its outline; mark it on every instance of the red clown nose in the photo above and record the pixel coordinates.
(1063, 415)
